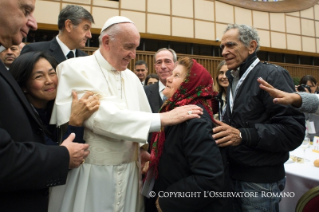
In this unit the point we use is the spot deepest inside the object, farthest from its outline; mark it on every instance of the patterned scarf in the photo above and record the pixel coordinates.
(195, 89)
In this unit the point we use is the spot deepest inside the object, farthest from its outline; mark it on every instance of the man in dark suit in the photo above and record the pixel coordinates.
(164, 63)
(28, 167)
(74, 24)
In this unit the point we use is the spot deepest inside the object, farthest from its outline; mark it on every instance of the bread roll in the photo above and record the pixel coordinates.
(316, 163)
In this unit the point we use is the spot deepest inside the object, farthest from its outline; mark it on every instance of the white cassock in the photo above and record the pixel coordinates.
(108, 181)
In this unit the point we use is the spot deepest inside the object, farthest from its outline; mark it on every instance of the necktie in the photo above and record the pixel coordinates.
(70, 55)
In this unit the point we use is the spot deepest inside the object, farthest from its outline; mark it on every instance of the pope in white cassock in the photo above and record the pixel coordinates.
(109, 179)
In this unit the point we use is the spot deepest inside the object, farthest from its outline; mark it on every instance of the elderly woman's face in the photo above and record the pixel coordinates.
(41, 86)
(174, 81)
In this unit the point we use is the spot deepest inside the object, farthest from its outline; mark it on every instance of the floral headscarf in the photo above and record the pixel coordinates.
(195, 89)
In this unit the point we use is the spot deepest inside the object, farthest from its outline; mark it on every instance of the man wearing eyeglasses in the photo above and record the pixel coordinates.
(164, 63)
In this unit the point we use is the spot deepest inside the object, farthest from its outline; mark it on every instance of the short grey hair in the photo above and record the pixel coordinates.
(76, 14)
(246, 34)
(112, 31)
(166, 49)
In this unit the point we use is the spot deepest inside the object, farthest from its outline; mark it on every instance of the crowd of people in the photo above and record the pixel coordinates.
(77, 131)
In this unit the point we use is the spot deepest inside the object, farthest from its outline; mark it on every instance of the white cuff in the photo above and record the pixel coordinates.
(156, 123)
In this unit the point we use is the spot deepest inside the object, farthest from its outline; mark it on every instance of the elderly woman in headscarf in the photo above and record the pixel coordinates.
(186, 163)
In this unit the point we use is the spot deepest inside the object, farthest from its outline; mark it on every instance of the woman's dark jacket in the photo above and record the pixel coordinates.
(51, 132)
(191, 162)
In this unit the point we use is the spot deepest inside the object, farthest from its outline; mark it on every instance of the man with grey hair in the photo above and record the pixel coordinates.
(109, 179)
(74, 25)
(28, 166)
(259, 134)
(164, 63)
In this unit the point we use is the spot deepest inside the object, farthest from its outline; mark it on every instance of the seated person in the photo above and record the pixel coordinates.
(185, 157)
(35, 74)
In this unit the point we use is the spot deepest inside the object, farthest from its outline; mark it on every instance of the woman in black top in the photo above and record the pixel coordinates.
(186, 163)
(35, 73)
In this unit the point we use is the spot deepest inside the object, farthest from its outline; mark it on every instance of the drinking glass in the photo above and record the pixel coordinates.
(305, 144)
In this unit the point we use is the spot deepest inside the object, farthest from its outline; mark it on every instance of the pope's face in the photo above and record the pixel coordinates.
(122, 49)
(16, 21)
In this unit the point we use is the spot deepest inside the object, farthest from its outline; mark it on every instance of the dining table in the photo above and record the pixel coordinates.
(301, 175)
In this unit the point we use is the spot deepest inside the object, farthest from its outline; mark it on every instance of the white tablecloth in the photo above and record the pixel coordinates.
(300, 177)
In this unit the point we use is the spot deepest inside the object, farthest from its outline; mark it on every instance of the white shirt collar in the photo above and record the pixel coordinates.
(64, 48)
(161, 87)
(103, 62)
(2, 48)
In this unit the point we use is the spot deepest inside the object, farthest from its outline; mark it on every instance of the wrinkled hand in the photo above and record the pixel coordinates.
(226, 135)
(180, 114)
(78, 152)
(280, 97)
(83, 108)
(145, 157)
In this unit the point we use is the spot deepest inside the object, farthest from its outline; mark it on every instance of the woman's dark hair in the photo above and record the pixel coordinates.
(21, 68)
(307, 78)
(220, 65)
(150, 76)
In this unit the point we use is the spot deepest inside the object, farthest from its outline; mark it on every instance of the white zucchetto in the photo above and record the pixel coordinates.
(115, 20)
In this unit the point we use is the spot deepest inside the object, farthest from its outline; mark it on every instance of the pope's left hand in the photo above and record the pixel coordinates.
(145, 157)
(226, 135)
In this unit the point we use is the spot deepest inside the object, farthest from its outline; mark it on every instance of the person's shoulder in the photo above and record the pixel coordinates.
(37, 45)
(272, 67)
(150, 87)
(81, 53)
(128, 73)
(76, 61)
(204, 119)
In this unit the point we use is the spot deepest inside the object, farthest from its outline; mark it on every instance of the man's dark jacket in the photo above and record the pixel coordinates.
(52, 48)
(153, 97)
(27, 167)
(269, 131)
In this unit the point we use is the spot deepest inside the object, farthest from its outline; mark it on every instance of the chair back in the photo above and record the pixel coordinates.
(309, 202)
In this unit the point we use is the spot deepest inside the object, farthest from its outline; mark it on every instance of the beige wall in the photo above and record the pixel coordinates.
(199, 19)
